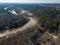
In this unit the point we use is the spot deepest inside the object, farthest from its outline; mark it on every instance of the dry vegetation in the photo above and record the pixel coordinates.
(21, 38)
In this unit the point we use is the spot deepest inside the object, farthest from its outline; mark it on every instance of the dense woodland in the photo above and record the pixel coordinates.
(48, 17)
(8, 20)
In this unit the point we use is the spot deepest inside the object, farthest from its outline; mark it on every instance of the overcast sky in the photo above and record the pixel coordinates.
(29, 1)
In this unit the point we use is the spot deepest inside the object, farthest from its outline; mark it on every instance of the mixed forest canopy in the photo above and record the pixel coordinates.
(48, 17)
(9, 20)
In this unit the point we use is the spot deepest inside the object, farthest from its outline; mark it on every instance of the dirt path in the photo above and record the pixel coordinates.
(31, 23)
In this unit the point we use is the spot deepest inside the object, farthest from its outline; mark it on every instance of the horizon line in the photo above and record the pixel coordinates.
(30, 3)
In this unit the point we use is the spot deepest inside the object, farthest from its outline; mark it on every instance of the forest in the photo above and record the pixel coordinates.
(9, 21)
(48, 18)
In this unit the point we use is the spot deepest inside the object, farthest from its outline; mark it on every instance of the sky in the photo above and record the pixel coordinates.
(29, 1)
